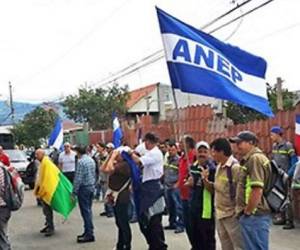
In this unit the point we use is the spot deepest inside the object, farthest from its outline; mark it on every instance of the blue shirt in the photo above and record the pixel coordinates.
(85, 174)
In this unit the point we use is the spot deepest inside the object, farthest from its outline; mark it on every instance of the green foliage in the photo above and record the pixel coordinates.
(241, 114)
(36, 126)
(96, 106)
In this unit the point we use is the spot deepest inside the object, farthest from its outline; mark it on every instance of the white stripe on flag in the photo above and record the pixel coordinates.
(252, 84)
(116, 124)
(59, 140)
(297, 130)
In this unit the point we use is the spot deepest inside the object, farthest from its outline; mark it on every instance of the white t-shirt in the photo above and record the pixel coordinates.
(141, 149)
(153, 163)
(67, 161)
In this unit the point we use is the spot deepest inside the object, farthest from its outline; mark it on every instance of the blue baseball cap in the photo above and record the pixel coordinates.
(277, 130)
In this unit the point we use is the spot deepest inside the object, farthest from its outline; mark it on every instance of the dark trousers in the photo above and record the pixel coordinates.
(202, 233)
(153, 232)
(70, 176)
(48, 212)
(187, 218)
(85, 201)
(4, 218)
(122, 222)
(132, 209)
(175, 208)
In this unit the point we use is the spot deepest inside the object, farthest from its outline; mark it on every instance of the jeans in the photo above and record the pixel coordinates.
(85, 201)
(48, 212)
(108, 209)
(122, 222)
(175, 208)
(131, 208)
(4, 218)
(98, 191)
(255, 231)
(187, 218)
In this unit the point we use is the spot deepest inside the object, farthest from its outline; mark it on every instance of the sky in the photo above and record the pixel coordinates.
(49, 48)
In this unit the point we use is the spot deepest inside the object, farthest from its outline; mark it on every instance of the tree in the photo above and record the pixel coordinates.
(241, 114)
(96, 106)
(35, 127)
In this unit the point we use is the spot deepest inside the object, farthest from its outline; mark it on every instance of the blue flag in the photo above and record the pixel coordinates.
(57, 137)
(136, 180)
(199, 63)
(117, 132)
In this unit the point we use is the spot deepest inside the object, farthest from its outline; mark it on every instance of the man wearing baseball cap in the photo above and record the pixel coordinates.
(202, 202)
(251, 205)
(283, 153)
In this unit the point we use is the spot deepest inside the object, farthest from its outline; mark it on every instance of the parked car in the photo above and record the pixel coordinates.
(27, 169)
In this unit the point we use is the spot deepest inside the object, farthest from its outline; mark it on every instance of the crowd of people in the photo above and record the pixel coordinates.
(204, 187)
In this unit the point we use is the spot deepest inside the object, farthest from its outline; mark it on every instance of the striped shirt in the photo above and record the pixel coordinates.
(85, 174)
(2, 202)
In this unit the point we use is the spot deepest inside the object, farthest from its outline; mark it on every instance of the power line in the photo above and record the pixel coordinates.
(122, 73)
(108, 79)
(236, 28)
(238, 6)
(241, 16)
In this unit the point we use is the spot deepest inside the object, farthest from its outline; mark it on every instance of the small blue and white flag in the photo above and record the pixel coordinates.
(57, 137)
(199, 63)
(117, 131)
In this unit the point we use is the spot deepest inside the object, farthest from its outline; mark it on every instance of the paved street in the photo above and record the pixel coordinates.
(25, 225)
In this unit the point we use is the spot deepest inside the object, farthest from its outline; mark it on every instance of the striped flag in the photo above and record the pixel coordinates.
(54, 188)
(199, 63)
(57, 137)
(117, 132)
(297, 136)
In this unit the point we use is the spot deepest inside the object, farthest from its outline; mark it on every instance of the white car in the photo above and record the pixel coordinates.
(27, 170)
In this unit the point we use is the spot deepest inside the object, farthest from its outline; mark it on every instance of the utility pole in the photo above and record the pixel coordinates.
(148, 103)
(279, 93)
(11, 103)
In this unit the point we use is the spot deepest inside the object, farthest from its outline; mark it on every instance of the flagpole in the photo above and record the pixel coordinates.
(176, 125)
(178, 129)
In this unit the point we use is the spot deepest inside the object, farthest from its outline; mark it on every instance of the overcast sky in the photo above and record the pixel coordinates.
(49, 48)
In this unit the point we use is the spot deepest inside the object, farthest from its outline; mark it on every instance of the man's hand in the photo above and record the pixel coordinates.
(189, 182)
(205, 174)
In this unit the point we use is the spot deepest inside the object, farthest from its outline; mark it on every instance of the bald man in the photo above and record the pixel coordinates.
(48, 230)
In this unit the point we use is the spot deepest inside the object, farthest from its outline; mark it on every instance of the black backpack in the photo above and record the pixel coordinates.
(13, 192)
(276, 191)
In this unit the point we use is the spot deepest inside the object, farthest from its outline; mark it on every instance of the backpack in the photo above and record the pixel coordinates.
(13, 193)
(276, 191)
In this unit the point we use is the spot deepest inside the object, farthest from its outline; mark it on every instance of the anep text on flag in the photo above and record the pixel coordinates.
(199, 63)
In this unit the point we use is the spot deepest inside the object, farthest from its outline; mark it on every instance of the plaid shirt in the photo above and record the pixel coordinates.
(85, 174)
(2, 202)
